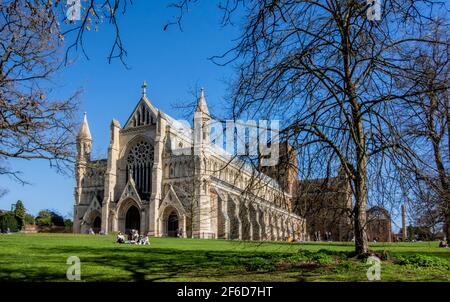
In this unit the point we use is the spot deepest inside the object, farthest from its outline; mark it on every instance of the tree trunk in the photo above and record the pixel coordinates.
(361, 243)
(358, 136)
(447, 193)
(360, 181)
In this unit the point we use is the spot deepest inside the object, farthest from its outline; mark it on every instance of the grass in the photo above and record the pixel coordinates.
(42, 257)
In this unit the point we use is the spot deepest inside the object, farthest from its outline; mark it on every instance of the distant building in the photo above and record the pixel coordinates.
(326, 206)
(379, 225)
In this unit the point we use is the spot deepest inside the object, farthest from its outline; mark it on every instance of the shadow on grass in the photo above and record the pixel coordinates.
(134, 263)
(104, 261)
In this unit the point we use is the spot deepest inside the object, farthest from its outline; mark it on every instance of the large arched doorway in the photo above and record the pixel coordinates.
(132, 219)
(97, 224)
(172, 224)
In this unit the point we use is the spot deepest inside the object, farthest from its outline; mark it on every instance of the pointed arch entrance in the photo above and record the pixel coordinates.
(172, 218)
(97, 224)
(173, 224)
(129, 216)
(132, 219)
(93, 222)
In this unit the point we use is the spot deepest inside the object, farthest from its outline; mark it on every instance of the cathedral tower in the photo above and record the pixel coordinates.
(84, 142)
(84, 145)
(202, 120)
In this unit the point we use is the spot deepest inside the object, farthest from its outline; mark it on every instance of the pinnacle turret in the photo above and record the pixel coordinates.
(84, 132)
(201, 103)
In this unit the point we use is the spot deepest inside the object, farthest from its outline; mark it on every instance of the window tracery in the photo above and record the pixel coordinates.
(139, 167)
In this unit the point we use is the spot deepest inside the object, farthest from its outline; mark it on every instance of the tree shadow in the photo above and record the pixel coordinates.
(133, 263)
(114, 262)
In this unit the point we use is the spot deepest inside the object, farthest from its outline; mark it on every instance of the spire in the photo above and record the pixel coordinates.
(201, 103)
(144, 88)
(84, 130)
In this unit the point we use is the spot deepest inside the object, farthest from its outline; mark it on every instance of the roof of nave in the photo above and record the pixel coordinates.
(181, 127)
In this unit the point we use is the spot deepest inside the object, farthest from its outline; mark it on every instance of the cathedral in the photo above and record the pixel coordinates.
(165, 178)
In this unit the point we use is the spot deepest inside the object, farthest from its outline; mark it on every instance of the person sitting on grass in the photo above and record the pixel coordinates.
(141, 240)
(443, 244)
(135, 236)
(120, 238)
(144, 240)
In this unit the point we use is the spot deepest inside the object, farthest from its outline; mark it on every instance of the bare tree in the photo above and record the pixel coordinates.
(33, 125)
(426, 209)
(426, 128)
(328, 72)
(89, 16)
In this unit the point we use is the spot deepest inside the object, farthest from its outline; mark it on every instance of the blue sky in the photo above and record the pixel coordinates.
(172, 62)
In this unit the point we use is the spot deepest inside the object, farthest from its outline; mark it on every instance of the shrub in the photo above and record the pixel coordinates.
(8, 221)
(49, 218)
(336, 254)
(343, 267)
(29, 219)
(68, 224)
(44, 218)
(420, 260)
(322, 258)
(258, 264)
(301, 257)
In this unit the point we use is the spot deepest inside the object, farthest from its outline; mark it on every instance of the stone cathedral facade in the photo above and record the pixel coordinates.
(160, 180)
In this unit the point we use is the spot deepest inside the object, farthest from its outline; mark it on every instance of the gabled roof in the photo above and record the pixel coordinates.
(171, 198)
(93, 206)
(144, 101)
(130, 191)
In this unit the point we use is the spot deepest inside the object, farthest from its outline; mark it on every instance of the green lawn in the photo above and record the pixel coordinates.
(42, 257)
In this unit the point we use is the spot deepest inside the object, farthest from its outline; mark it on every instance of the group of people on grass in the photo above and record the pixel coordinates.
(133, 238)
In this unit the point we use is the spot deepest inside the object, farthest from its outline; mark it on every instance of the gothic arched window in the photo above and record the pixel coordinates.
(139, 166)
